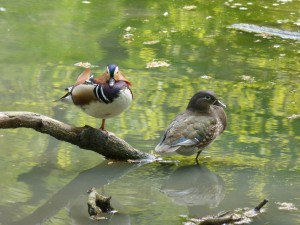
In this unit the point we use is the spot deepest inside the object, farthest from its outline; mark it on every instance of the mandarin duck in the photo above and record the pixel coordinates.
(101, 97)
(196, 128)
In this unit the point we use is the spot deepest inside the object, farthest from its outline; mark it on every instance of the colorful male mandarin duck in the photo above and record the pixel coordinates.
(102, 97)
(196, 128)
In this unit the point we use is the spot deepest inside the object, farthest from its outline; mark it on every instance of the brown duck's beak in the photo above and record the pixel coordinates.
(111, 82)
(219, 103)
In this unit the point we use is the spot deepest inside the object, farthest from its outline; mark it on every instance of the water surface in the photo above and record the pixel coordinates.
(43, 180)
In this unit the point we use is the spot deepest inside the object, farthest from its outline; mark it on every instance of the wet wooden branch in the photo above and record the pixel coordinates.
(111, 147)
(220, 221)
(241, 216)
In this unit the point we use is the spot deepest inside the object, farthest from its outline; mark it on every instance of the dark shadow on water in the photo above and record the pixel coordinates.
(98, 176)
(35, 178)
(196, 187)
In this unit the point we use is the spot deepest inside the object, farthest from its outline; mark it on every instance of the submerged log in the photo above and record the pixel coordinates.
(89, 138)
(223, 218)
(241, 216)
(266, 31)
(220, 221)
(97, 203)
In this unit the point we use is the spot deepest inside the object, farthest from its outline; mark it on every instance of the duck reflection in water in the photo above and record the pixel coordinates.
(196, 187)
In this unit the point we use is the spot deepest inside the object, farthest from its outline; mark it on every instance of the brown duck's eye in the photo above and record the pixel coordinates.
(207, 97)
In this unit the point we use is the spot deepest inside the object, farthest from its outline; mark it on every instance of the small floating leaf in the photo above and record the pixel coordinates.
(129, 28)
(294, 116)
(154, 64)
(286, 206)
(84, 64)
(189, 7)
(248, 78)
(151, 42)
(205, 77)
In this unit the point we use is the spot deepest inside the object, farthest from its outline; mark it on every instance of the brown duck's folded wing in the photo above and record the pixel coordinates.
(188, 131)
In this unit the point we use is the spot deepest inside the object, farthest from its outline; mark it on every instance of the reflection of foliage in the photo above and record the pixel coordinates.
(45, 39)
(196, 43)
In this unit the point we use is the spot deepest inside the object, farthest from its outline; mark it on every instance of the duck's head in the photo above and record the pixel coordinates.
(202, 100)
(112, 71)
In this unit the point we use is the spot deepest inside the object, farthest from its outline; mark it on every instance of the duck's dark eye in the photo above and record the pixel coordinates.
(207, 97)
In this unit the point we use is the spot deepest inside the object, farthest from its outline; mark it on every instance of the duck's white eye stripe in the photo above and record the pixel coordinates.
(116, 70)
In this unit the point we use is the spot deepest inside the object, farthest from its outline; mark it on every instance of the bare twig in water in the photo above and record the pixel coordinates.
(260, 205)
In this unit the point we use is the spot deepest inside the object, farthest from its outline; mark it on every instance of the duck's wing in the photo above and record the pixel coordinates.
(82, 91)
(187, 130)
(83, 77)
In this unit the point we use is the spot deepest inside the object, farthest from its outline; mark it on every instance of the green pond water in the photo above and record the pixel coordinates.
(257, 75)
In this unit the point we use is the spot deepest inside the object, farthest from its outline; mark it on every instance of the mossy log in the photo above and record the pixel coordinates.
(89, 138)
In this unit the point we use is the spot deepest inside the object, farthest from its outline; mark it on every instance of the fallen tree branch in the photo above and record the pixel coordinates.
(111, 147)
(240, 216)
(220, 220)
